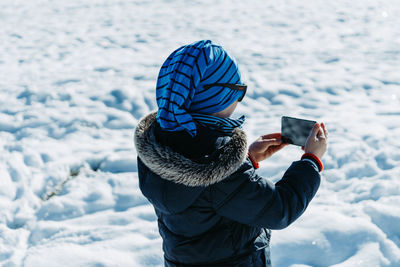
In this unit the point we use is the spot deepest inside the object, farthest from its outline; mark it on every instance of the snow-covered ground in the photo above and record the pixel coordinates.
(76, 76)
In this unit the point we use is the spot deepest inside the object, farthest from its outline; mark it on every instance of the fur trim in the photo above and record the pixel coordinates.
(172, 166)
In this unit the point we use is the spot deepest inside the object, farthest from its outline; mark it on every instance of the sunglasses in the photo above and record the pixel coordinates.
(238, 87)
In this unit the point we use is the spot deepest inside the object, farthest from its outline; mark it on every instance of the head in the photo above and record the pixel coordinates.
(197, 78)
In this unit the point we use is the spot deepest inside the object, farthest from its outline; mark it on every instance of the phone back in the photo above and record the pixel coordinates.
(296, 131)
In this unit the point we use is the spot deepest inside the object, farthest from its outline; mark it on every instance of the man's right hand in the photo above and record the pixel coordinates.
(317, 141)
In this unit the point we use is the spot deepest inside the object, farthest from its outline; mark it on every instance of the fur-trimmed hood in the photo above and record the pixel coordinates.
(174, 167)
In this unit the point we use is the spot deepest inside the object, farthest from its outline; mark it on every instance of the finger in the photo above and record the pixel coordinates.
(283, 145)
(272, 142)
(315, 130)
(321, 132)
(272, 135)
(325, 131)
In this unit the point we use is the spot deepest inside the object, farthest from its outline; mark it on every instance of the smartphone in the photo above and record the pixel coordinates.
(296, 131)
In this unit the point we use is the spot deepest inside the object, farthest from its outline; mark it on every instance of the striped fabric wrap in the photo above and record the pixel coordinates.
(222, 125)
(180, 90)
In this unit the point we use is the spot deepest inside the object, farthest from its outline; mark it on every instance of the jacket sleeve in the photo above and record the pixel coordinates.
(250, 199)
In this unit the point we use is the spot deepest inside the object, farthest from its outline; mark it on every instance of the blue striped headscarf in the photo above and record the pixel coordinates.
(180, 90)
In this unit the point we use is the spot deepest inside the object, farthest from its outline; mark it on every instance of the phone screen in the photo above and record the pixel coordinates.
(296, 131)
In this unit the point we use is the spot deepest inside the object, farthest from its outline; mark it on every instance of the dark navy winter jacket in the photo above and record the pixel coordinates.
(211, 205)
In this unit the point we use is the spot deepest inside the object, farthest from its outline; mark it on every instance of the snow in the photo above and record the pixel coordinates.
(75, 78)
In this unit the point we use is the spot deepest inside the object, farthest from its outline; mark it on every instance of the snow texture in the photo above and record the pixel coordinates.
(76, 76)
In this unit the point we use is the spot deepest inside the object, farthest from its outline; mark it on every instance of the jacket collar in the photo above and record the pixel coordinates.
(174, 167)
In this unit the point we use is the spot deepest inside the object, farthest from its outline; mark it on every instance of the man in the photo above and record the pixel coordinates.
(195, 168)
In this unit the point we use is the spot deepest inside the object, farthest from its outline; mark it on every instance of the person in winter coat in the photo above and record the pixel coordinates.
(195, 168)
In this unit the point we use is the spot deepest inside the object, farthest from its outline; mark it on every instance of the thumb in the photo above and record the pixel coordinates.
(315, 130)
